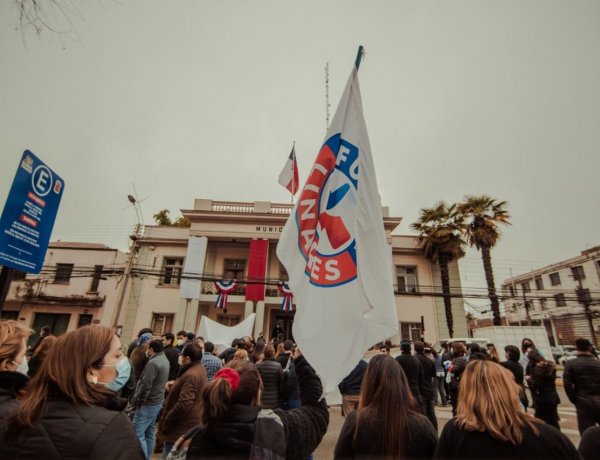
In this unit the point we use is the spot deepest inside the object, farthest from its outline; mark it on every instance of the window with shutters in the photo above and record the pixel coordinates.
(171, 271)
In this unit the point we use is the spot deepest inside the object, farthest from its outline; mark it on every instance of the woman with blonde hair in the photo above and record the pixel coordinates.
(489, 422)
(388, 423)
(280, 349)
(13, 365)
(241, 355)
(66, 411)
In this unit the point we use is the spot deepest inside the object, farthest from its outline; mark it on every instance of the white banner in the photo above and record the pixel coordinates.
(223, 335)
(194, 268)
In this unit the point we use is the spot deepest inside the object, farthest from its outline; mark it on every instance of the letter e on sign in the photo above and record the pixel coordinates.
(41, 180)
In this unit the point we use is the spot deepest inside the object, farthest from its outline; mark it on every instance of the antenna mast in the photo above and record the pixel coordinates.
(327, 97)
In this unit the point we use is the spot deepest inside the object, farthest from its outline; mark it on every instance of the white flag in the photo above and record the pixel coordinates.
(334, 249)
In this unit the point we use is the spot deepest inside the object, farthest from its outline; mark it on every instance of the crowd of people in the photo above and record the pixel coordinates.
(80, 396)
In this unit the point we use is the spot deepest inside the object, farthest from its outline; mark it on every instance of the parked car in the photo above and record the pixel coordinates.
(571, 354)
(557, 353)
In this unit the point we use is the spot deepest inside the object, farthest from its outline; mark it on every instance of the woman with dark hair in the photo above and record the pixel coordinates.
(235, 427)
(388, 422)
(257, 354)
(66, 411)
(489, 422)
(542, 383)
(526, 346)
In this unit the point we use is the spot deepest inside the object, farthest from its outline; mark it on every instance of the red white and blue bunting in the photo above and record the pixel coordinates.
(224, 288)
(288, 298)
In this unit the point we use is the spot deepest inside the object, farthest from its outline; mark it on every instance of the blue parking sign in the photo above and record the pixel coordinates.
(29, 214)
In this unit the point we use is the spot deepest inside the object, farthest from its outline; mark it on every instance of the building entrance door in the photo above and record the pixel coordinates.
(286, 320)
(58, 323)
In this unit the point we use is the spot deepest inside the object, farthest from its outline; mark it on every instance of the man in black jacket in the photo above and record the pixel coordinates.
(413, 370)
(172, 354)
(581, 379)
(426, 387)
(512, 364)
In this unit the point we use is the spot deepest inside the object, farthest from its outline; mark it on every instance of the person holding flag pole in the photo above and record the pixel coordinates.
(335, 251)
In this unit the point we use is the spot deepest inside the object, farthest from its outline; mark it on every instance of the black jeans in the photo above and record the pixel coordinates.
(548, 413)
(586, 419)
(429, 411)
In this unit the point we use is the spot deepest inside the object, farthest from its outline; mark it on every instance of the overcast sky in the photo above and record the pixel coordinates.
(193, 99)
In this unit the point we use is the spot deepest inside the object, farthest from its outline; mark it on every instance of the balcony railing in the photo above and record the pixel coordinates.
(248, 208)
(208, 287)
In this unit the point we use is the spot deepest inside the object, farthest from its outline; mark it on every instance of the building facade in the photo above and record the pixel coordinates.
(564, 297)
(229, 229)
(78, 285)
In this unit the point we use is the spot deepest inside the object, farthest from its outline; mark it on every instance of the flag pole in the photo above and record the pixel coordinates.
(293, 175)
(361, 51)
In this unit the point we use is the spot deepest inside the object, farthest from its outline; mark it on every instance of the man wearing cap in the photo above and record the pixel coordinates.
(581, 380)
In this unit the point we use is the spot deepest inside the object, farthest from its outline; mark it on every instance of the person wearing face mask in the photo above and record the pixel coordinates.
(150, 395)
(13, 365)
(181, 341)
(183, 406)
(66, 410)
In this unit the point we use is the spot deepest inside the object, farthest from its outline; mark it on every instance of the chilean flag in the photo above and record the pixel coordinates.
(288, 177)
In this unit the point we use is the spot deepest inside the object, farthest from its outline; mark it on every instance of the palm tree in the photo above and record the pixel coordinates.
(482, 215)
(440, 236)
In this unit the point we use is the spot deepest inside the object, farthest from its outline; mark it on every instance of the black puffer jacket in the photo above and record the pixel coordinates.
(11, 385)
(271, 374)
(73, 431)
(542, 383)
(304, 427)
(428, 375)
(581, 380)
(414, 374)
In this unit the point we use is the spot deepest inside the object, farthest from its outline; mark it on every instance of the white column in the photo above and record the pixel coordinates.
(259, 322)
(249, 308)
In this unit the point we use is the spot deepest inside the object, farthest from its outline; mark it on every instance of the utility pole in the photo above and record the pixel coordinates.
(585, 300)
(126, 275)
(132, 250)
(526, 306)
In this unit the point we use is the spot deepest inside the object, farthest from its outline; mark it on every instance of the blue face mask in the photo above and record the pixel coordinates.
(123, 368)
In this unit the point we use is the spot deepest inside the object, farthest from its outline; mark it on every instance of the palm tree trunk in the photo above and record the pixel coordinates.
(443, 262)
(491, 285)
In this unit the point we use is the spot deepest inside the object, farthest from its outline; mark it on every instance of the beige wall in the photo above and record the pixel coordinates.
(78, 286)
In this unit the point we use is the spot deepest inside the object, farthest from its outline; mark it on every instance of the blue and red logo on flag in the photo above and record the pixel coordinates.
(326, 213)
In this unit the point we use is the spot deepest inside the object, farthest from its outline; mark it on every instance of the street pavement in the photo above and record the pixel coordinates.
(566, 411)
